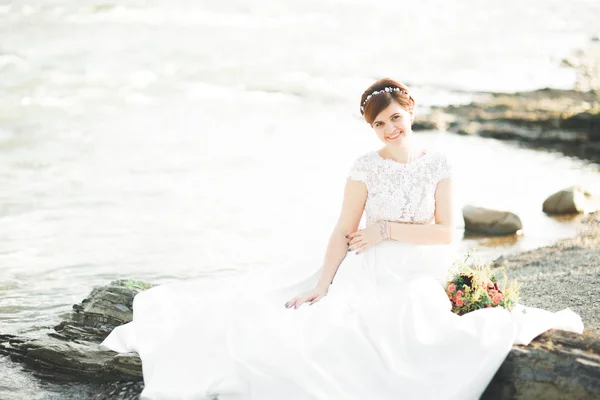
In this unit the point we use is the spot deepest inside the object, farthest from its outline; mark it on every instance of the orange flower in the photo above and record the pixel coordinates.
(459, 302)
(497, 298)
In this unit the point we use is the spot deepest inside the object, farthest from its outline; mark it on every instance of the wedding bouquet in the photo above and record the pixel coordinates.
(473, 287)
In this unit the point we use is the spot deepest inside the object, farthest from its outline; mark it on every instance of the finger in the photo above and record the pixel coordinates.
(316, 300)
(291, 303)
(356, 239)
(357, 245)
(308, 299)
(353, 234)
(362, 249)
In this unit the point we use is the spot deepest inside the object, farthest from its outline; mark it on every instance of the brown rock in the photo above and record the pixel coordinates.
(491, 222)
(573, 200)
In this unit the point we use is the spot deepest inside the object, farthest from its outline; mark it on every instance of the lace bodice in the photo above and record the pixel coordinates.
(400, 192)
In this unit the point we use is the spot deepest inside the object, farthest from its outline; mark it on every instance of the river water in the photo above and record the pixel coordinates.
(162, 140)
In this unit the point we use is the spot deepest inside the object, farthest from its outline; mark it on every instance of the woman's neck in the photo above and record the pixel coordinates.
(402, 154)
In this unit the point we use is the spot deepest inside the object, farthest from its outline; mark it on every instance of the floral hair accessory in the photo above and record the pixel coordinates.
(384, 90)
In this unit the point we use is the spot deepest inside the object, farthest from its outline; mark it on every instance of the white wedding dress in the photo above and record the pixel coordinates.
(384, 331)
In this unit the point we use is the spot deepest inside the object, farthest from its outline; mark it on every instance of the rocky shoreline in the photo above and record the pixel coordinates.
(562, 120)
(566, 274)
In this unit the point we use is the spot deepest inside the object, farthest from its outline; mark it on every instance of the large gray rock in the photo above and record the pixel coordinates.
(70, 350)
(557, 365)
(573, 200)
(491, 222)
(57, 359)
(98, 314)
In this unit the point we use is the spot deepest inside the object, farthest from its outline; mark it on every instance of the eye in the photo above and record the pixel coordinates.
(395, 117)
(377, 124)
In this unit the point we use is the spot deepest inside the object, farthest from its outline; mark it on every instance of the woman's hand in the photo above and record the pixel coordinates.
(311, 296)
(363, 239)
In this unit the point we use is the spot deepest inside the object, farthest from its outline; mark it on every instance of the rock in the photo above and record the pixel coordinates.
(564, 120)
(70, 350)
(556, 365)
(97, 315)
(77, 360)
(491, 222)
(433, 121)
(573, 200)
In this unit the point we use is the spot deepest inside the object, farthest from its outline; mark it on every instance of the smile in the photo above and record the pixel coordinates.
(395, 136)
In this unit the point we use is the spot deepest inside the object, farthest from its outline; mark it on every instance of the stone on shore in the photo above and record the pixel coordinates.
(573, 200)
(491, 222)
(557, 365)
(70, 350)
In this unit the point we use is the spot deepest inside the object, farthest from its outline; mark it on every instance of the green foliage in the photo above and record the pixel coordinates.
(138, 285)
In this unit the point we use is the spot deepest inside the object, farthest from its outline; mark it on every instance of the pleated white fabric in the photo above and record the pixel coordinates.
(384, 331)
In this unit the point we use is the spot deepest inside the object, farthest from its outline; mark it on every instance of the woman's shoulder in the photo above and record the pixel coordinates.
(361, 166)
(441, 163)
(365, 159)
(368, 156)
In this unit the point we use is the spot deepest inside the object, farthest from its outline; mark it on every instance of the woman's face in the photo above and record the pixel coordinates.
(393, 125)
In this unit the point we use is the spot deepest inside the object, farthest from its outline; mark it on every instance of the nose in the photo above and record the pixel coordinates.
(389, 127)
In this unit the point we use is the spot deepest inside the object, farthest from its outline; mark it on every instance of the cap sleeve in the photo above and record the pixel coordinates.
(359, 170)
(444, 167)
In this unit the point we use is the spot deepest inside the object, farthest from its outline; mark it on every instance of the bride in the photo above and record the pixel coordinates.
(373, 323)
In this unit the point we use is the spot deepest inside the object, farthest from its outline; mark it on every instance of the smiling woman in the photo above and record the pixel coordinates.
(389, 109)
(382, 329)
(381, 94)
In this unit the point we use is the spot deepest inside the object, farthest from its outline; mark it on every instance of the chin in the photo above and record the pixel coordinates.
(400, 142)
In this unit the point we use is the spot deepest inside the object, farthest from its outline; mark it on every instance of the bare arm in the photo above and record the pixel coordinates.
(355, 197)
(441, 232)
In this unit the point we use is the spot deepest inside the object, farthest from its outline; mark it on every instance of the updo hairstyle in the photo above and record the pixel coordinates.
(372, 107)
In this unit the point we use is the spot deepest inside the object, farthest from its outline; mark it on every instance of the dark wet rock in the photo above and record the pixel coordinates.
(573, 200)
(563, 120)
(491, 222)
(557, 365)
(70, 350)
(96, 316)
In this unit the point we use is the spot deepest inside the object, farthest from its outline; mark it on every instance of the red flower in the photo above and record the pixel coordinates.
(497, 298)
(459, 302)
(452, 287)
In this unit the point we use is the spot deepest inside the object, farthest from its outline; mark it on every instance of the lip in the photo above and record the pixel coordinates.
(394, 136)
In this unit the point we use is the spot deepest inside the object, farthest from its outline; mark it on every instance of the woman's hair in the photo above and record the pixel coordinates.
(381, 94)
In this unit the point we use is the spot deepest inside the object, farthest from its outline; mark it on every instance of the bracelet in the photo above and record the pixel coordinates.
(384, 230)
